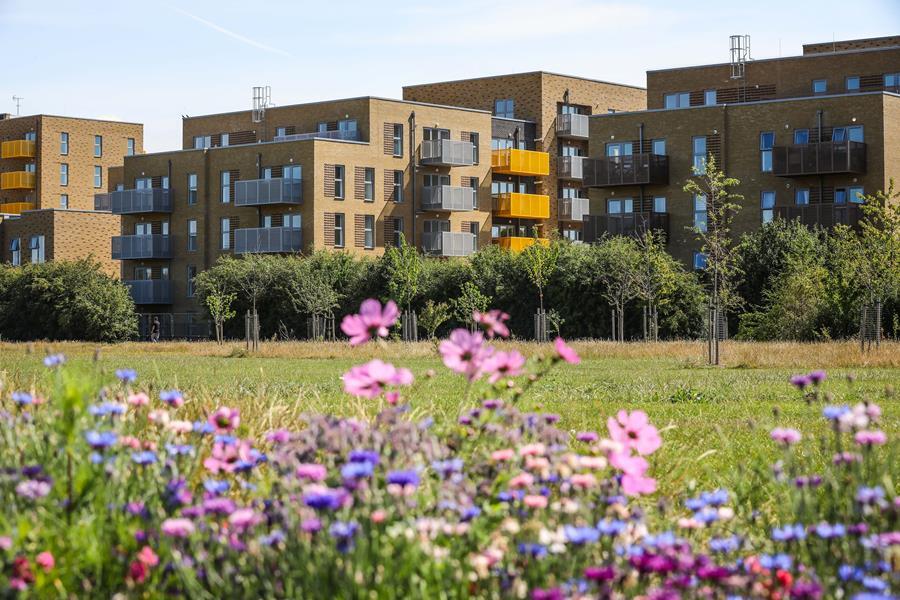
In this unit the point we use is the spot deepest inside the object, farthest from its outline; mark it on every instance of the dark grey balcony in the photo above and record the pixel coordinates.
(821, 158)
(137, 247)
(150, 291)
(129, 202)
(570, 167)
(258, 240)
(336, 134)
(261, 192)
(630, 169)
(448, 243)
(573, 209)
(823, 215)
(624, 224)
(447, 153)
(448, 197)
(572, 126)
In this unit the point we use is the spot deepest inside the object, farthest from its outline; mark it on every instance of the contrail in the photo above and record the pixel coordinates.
(234, 35)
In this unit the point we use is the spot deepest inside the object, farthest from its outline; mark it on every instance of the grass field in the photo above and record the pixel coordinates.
(713, 418)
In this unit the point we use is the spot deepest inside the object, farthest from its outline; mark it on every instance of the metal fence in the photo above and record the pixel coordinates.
(252, 240)
(448, 152)
(277, 190)
(448, 197)
(448, 243)
(126, 247)
(175, 326)
(123, 202)
(571, 125)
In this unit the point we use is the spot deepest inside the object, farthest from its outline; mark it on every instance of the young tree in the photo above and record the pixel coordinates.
(312, 293)
(655, 279)
(433, 316)
(404, 269)
(715, 187)
(540, 264)
(219, 302)
(619, 263)
(470, 300)
(878, 267)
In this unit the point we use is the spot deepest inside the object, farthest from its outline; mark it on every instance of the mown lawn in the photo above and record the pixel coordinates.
(715, 419)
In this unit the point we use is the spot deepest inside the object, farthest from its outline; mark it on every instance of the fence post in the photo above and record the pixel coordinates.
(878, 323)
(247, 329)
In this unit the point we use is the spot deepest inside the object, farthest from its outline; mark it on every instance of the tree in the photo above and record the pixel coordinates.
(404, 268)
(219, 302)
(715, 187)
(540, 264)
(254, 277)
(469, 300)
(654, 280)
(312, 293)
(879, 245)
(433, 316)
(619, 269)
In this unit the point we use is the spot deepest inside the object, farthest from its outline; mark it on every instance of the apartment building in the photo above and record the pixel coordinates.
(352, 174)
(539, 136)
(50, 169)
(806, 136)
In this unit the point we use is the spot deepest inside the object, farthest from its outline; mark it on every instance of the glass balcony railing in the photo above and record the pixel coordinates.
(137, 247)
(150, 291)
(821, 158)
(267, 240)
(447, 153)
(628, 169)
(128, 202)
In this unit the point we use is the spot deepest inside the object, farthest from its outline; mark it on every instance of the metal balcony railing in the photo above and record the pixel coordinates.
(448, 197)
(448, 243)
(518, 243)
(260, 240)
(517, 205)
(823, 215)
(820, 158)
(629, 169)
(570, 167)
(129, 202)
(512, 161)
(448, 153)
(625, 224)
(18, 149)
(17, 180)
(337, 134)
(573, 209)
(150, 291)
(572, 126)
(260, 192)
(136, 247)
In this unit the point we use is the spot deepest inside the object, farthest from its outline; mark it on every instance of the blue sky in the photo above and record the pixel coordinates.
(152, 61)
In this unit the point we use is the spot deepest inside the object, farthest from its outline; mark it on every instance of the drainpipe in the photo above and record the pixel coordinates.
(259, 174)
(818, 141)
(207, 210)
(640, 153)
(412, 169)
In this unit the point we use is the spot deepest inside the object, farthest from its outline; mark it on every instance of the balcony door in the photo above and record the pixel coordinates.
(433, 133)
(619, 206)
(143, 183)
(143, 229)
(143, 273)
(619, 149)
(436, 180)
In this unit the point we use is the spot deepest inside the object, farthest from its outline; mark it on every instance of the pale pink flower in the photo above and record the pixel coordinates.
(369, 380)
(228, 457)
(537, 463)
(634, 431)
(138, 399)
(180, 426)
(629, 464)
(689, 523)
(492, 322)
(521, 480)
(536, 449)
(535, 501)
(159, 416)
(502, 455)
(372, 320)
(225, 419)
(130, 442)
(464, 352)
(176, 527)
(378, 516)
(244, 518)
(584, 480)
(635, 485)
(870, 437)
(45, 561)
(312, 472)
(5, 542)
(503, 364)
(148, 557)
(565, 352)
(592, 462)
(785, 436)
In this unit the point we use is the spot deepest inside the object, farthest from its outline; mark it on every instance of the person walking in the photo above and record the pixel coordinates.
(154, 330)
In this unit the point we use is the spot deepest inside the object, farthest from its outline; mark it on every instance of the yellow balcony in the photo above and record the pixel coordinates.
(522, 206)
(15, 208)
(17, 149)
(511, 161)
(517, 244)
(17, 180)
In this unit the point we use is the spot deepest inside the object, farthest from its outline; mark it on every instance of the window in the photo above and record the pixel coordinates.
(164, 182)
(505, 108)
(767, 206)
(98, 146)
(398, 230)
(852, 83)
(291, 221)
(473, 137)
(700, 260)
(202, 141)
(891, 80)
(856, 194)
(338, 181)
(855, 133)
(659, 147)
(347, 129)
(64, 143)
(501, 143)
(30, 168)
(700, 220)
(801, 196)
(15, 249)
(339, 230)
(839, 134)
(63, 174)
(659, 204)
(766, 141)
(801, 137)
(435, 180)
(192, 188)
(619, 206)
(64, 201)
(369, 185)
(398, 139)
(699, 149)
(678, 100)
(709, 97)
(398, 186)
(226, 233)
(280, 131)
(191, 274)
(369, 231)
(31, 136)
(473, 183)
(225, 178)
(98, 176)
(820, 86)
(224, 140)
(322, 127)
(37, 249)
(192, 235)
(129, 147)
(474, 229)
(619, 149)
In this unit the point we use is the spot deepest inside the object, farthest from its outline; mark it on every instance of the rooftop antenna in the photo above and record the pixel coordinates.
(262, 97)
(17, 100)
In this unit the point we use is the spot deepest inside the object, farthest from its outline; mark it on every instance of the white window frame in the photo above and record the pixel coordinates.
(129, 147)
(36, 245)
(64, 143)
(192, 188)
(64, 201)
(824, 89)
(398, 139)
(98, 146)
(767, 208)
(192, 235)
(15, 249)
(340, 224)
(225, 228)
(225, 186)
(98, 176)
(398, 186)
(339, 181)
(368, 231)
(64, 174)
(700, 212)
(369, 184)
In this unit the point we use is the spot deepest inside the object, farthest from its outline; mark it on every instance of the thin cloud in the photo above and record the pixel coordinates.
(232, 34)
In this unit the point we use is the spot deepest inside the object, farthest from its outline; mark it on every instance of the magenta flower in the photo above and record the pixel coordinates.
(801, 382)
(785, 436)
(634, 431)
(464, 352)
(817, 377)
(244, 518)
(636, 485)
(492, 322)
(629, 464)
(372, 320)
(178, 528)
(503, 364)
(565, 352)
(227, 457)
(870, 437)
(312, 472)
(224, 419)
(45, 561)
(370, 379)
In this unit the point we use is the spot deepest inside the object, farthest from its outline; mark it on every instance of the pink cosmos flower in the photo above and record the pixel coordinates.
(565, 352)
(45, 561)
(180, 426)
(130, 442)
(503, 364)
(537, 449)
(629, 464)
(870, 437)
(369, 380)
(635, 485)
(634, 431)
(244, 518)
(464, 352)
(785, 436)
(492, 322)
(225, 419)
(521, 480)
(5, 542)
(178, 528)
(378, 516)
(372, 320)
(502, 455)
(535, 501)
(148, 557)
(139, 399)
(227, 457)
(312, 472)
(584, 480)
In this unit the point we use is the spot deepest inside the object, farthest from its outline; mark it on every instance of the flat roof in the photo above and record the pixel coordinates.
(523, 74)
(239, 146)
(11, 117)
(741, 104)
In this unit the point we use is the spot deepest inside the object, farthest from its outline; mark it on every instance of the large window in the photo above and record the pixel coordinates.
(435, 133)
(339, 230)
(226, 233)
(852, 83)
(98, 176)
(856, 194)
(225, 179)
(129, 147)
(192, 235)
(347, 127)
(398, 139)
(892, 80)
(202, 141)
(820, 86)
(191, 275)
(801, 196)
(98, 146)
(369, 231)
(659, 147)
(338, 181)
(64, 174)
(709, 97)
(505, 108)
(700, 215)
(369, 185)
(700, 260)
(678, 100)
(801, 137)
(473, 137)
(192, 188)
(767, 206)
(619, 148)
(15, 249)
(699, 150)
(398, 231)
(618, 206)
(398, 186)
(37, 249)
(435, 179)
(224, 140)
(843, 134)
(766, 141)
(660, 204)
(64, 143)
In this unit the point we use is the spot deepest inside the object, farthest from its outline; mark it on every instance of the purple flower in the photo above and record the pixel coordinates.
(446, 468)
(215, 487)
(828, 531)
(179, 449)
(817, 377)
(581, 535)
(789, 533)
(218, 506)
(172, 397)
(33, 489)
(372, 321)
(403, 478)
(867, 495)
(599, 573)
(369, 456)
(22, 398)
(145, 457)
(778, 561)
(100, 440)
(532, 550)
(177, 528)
(785, 436)
(343, 532)
(801, 382)
(357, 470)
(126, 376)
(54, 360)
(311, 525)
(587, 436)
(321, 497)
(106, 409)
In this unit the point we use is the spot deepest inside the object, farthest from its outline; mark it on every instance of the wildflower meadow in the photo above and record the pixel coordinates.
(114, 488)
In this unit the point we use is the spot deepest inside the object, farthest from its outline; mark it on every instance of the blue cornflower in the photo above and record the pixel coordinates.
(179, 449)
(726, 544)
(276, 537)
(403, 478)
(446, 468)
(357, 470)
(343, 532)
(203, 427)
(835, 412)
(173, 398)
(54, 360)
(779, 561)
(581, 535)
(695, 503)
(216, 487)
(126, 375)
(469, 513)
(666, 538)
(828, 531)
(100, 440)
(611, 528)
(874, 584)
(322, 499)
(867, 495)
(144, 458)
(22, 398)
(707, 515)
(533, 550)
(789, 533)
(228, 440)
(368, 456)
(716, 497)
(850, 572)
(871, 596)
(106, 409)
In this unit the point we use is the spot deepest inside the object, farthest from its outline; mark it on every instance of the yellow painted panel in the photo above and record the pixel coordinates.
(517, 244)
(15, 208)
(522, 206)
(17, 180)
(511, 161)
(17, 149)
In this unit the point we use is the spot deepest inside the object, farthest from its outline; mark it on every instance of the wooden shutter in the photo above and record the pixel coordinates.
(389, 138)
(359, 183)
(329, 229)
(714, 147)
(388, 227)
(329, 185)
(388, 185)
(359, 231)
(241, 137)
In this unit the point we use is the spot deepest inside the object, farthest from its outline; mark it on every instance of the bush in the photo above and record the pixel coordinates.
(62, 300)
